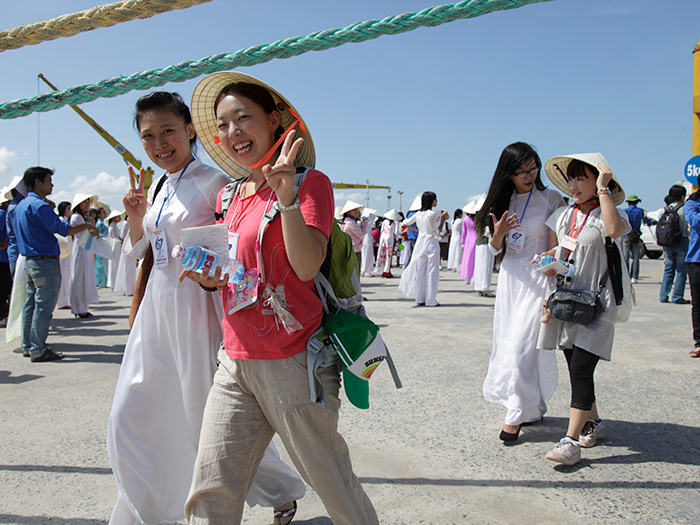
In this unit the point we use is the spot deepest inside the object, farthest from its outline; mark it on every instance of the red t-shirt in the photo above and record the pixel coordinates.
(253, 333)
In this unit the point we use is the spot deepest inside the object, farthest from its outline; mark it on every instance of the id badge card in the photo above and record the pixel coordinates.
(516, 239)
(568, 243)
(160, 248)
(232, 245)
(243, 293)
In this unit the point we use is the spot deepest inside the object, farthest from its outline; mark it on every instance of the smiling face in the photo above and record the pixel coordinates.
(246, 130)
(166, 139)
(525, 176)
(583, 185)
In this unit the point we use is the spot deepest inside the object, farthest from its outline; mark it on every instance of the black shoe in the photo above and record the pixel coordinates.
(681, 301)
(48, 355)
(507, 436)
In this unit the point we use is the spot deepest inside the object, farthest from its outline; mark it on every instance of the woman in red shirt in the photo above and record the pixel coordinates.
(262, 384)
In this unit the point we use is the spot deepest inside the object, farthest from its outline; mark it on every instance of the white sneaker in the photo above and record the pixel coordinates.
(634, 281)
(567, 452)
(592, 431)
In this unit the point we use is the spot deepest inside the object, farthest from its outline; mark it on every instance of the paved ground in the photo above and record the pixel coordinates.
(428, 453)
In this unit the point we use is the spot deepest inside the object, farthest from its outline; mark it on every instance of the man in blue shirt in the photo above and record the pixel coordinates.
(632, 242)
(36, 223)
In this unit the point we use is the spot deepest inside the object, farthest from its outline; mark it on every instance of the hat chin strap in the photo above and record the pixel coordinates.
(279, 142)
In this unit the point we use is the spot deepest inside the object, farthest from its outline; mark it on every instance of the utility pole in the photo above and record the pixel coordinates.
(400, 201)
(696, 103)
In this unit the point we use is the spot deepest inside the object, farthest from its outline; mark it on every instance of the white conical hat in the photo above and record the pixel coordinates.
(556, 167)
(392, 215)
(417, 203)
(116, 213)
(80, 197)
(350, 205)
(369, 213)
(18, 184)
(473, 206)
(338, 213)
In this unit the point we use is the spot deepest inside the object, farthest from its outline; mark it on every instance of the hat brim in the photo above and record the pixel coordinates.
(204, 120)
(351, 205)
(82, 197)
(556, 167)
(392, 215)
(356, 389)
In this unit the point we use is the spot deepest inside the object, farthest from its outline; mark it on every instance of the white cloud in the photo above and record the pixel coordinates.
(7, 159)
(109, 189)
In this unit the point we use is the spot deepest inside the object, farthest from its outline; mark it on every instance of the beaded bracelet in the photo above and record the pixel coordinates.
(293, 206)
(207, 288)
(603, 191)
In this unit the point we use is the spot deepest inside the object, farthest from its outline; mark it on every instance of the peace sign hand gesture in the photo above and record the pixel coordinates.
(135, 203)
(280, 176)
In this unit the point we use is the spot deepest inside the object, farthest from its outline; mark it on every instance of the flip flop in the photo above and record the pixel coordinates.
(695, 353)
(48, 355)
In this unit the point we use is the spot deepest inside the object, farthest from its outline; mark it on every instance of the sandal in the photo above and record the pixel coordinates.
(86, 315)
(695, 353)
(48, 355)
(285, 516)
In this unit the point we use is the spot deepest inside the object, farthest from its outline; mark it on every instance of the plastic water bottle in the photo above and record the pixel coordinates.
(235, 271)
(196, 258)
(562, 267)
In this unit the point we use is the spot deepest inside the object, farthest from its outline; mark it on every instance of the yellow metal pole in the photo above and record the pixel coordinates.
(696, 103)
(125, 153)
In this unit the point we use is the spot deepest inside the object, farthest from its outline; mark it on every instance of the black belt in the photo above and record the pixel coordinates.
(43, 257)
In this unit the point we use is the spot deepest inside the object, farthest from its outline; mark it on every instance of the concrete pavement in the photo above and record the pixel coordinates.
(428, 453)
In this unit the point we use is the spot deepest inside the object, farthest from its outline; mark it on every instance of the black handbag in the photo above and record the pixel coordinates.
(577, 306)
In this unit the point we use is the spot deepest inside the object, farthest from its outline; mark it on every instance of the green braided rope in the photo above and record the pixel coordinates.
(289, 47)
(101, 16)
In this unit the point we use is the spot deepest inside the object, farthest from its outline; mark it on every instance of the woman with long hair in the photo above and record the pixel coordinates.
(83, 288)
(455, 250)
(519, 377)
(420, 279)
(170, 356)
(66, 244)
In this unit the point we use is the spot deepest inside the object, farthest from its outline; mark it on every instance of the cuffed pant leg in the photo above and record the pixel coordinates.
(310, 435)
(234, 436)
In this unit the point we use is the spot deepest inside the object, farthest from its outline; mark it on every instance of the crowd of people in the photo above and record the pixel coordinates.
(44, 258)
(214, 397)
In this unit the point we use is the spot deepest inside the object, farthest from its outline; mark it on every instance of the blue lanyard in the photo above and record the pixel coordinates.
(167, 197)
(520, 220)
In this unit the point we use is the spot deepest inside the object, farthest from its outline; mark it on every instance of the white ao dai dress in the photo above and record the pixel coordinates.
(167, 370)
(520, 377)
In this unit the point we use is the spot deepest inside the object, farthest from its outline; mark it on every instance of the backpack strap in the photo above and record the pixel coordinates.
(227, 196)
(675, 208)
(270, 216)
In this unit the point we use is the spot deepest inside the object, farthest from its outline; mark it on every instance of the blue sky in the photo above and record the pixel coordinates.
(426, 110)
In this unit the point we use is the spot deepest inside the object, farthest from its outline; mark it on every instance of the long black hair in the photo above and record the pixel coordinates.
(427, 200)
(502, 187)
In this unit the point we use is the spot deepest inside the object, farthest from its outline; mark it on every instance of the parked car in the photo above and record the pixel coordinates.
(649, 246)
